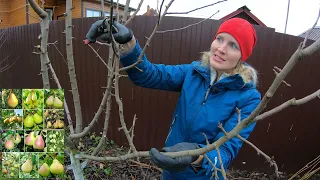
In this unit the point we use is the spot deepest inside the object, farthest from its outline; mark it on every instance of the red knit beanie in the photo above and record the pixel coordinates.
(243, 32)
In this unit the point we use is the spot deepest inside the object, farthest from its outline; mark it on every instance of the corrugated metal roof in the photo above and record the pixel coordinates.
(314, 33)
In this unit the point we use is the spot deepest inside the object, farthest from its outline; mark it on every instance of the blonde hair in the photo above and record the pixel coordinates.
(248, 73)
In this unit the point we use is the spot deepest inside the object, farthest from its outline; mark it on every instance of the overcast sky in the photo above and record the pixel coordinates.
(302, 13)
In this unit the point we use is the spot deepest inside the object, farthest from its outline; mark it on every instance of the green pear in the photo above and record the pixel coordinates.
(34, 96)
(37, 118)
(12, 101)
(27, 166)
(44, 170)
(17, 140)
(57, 103)
(29, 100)
(28, 121)
(56, 167)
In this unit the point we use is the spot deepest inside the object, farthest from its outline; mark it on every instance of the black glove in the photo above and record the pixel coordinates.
(121, 33)
(174, 164)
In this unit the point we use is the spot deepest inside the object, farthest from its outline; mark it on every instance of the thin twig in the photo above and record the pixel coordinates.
(105, 44)
(276, 71)
(54, 44)
(145, 165)
(221, 164)
(291, 102)
(270, 160)
(196, 8)
(99, 57)
(149, 40)
(317, 159)
(118, 15)
(172, 30)
(215, 173)
(134, 14)
(55, 77)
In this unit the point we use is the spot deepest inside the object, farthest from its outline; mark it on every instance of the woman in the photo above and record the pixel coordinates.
(210, 92)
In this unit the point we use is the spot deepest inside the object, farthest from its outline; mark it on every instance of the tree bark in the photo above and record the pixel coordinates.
(72, 71)
(44, 59)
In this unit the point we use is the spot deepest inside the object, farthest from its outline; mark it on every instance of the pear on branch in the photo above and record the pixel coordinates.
(12, 101)
(29, 99)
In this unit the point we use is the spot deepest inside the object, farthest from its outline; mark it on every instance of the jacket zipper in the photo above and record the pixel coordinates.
(206, 95)
(174, 119)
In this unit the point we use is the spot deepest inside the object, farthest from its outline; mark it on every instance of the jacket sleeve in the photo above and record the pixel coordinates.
(229, 149)
(155, 76)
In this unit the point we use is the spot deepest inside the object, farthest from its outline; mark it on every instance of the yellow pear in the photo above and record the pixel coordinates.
(12, 101)
(50, 101)
(57, 103)
(56, 167)
(27, 166)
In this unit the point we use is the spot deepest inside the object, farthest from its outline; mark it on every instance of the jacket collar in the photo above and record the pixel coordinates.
(234, 82)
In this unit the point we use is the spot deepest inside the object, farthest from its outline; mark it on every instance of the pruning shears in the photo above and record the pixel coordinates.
(105, 27)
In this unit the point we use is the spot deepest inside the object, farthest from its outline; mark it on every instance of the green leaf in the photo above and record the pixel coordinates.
(108, 171)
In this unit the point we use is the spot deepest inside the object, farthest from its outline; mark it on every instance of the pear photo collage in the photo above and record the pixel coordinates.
(32, 128)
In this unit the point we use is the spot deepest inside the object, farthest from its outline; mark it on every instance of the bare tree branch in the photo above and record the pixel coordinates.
(126, 10)
(270, 160)
(221, 164)
(55, 77)
(71, 67)
(149, 40)
(100, 43)
(37, 9)
(276, 71)
(196, 8)
(310, 164)
(87, 129)
(134, 14)
(99, 57)
(54, 44)
(108, 108)
(44, 59)
(291, 102)
(121, 115)
(102, 8)
(171, 30)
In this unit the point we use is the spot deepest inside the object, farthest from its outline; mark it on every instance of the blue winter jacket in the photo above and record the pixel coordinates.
(199, 108)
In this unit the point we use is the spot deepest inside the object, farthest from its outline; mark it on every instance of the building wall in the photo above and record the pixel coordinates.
(96, 5)
(17, 12)
(4, 13)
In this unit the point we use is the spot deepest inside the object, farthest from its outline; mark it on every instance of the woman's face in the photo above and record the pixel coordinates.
(225, 53)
